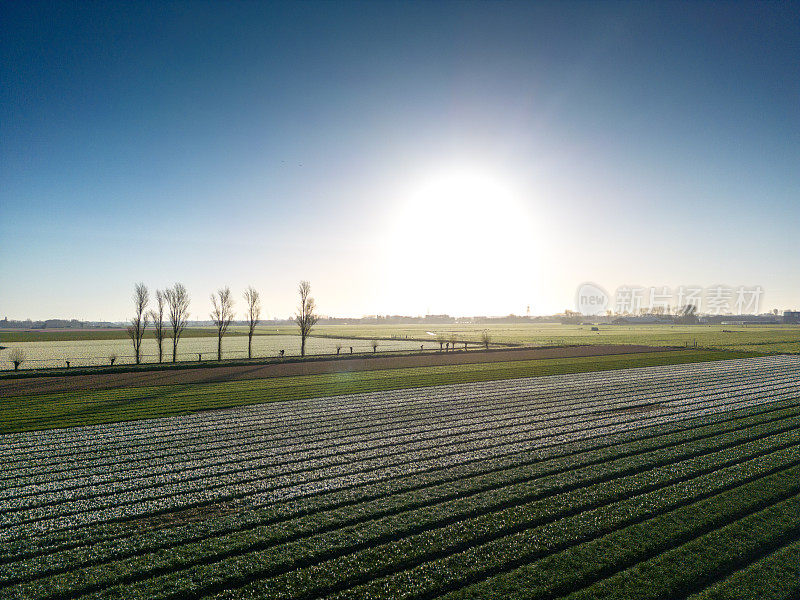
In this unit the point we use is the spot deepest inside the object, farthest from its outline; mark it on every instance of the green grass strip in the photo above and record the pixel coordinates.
(776, 576)
(48, 411)
(566, 551)
(580, 565)
(682, 570)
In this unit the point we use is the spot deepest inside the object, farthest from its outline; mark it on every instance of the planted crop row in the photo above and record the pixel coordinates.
(684, 569)
(333, 410)
(502, 410)
(435, 562)
(776, 576)
(117, 459)
(240, 463)
(411, 403)
(644, 438)
(525, 482)
(258, 488)
(124, 404)
(354, 507)
(128, 404)
(576, 490)
(777, 505)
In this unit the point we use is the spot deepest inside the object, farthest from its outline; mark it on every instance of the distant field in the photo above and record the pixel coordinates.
(52, 349)
(80, 353)
(672, 482)
(767, 338)
(89, 407)
(71, 335)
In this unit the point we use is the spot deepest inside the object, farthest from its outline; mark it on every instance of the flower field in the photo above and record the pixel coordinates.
(659, 482)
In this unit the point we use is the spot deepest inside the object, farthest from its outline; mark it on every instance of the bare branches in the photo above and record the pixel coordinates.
(17, 357)
(253, 300)
(221, 314)
(178, 307)
(687, 315)
(157, 318)
(139, 320)
(305, 317)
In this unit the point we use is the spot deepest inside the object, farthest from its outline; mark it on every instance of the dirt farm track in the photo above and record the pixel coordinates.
(211, 374)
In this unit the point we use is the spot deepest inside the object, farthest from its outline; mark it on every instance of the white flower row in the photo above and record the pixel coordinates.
(126, 434)
(453, 403)
(98, 482)
(282, 488)
(93, 474)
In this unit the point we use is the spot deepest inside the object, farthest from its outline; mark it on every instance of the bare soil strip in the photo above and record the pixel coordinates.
(211, 374)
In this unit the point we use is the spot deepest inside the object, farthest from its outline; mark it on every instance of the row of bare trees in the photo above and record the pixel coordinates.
(174, 302)
(222, 314)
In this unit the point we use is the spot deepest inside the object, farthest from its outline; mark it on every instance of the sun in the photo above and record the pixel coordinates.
(461, 240)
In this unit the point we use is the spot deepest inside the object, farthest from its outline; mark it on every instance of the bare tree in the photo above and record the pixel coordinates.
(253, 300)
(221, 314)
(687, 315)
(178, 307)
(112, 358)
(157, 318)
(374, 345)
(139, 320)
(17, 357)
(305, 317)
(486, 338)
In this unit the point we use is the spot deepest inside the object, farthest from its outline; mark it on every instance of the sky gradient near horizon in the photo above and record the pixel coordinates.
(405, 158)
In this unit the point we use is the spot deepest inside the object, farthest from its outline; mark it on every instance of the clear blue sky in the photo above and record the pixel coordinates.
(377, 149)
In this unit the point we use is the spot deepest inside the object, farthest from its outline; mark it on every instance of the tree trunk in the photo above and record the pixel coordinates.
(219, 347)
(250, 345)
(174, 350)
(302, 344)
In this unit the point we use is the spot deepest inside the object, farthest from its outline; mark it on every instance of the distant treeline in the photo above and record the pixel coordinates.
(52, 324)
(573, 318)
(289, 321)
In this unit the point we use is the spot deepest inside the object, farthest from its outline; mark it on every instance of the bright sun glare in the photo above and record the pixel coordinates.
(462, 238)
